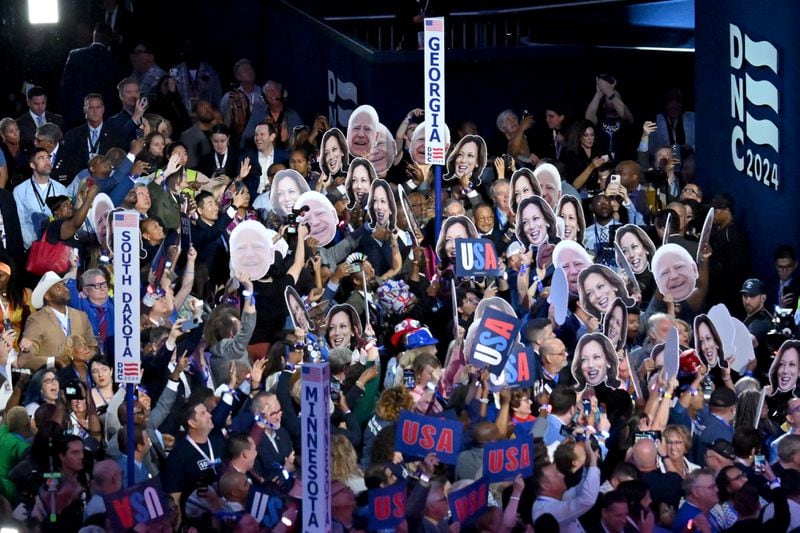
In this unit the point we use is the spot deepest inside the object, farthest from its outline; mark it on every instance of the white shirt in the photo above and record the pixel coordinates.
(794, 514)
(573, 504)
(28, 203)
(265, 161)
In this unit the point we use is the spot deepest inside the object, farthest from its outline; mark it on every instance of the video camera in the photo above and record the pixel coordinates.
(783, 328)
(294, 219)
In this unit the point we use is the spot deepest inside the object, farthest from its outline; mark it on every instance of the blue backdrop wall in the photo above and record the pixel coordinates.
(747, 135)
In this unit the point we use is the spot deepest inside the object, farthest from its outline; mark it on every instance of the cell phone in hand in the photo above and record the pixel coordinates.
(759, 462)
(190, 324)
(408, 378)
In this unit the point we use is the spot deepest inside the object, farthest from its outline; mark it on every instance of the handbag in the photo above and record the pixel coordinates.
(44, 257)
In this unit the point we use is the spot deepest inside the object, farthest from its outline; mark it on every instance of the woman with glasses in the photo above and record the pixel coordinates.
(675, 444)
(43, 388)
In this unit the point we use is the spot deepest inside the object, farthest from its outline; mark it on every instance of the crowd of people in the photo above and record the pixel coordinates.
(267, 244)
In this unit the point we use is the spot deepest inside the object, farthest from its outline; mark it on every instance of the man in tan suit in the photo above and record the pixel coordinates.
(48, 328)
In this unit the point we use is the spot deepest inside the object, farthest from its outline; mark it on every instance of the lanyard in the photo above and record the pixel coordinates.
(221, 164)
(35, 187)
(93, 147)
(211, 460)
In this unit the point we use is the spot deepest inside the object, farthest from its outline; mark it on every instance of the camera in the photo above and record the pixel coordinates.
(294, 218)
(783, 328)
(73, 391)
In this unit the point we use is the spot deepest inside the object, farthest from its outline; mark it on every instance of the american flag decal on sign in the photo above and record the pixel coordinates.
(130, 369)
(437, 153)
(434, 24)
(312, 374)
(126, 220)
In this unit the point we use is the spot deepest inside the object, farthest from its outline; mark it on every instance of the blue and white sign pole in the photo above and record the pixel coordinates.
(315, 422)
(127, 349)
(435, 140)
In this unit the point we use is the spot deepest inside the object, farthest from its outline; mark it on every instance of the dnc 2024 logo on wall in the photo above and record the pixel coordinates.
(755, 137)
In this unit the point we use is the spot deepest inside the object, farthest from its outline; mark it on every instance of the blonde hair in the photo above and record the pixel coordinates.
(343, 459)
(72, 342)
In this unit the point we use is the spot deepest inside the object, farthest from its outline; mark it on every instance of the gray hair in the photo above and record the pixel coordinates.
(692, 478)
(502, 117)
(87, 276)
(788, 447)
(50, 131)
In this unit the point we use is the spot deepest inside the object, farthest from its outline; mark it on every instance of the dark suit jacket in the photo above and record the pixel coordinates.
(12, 230)
(27, 127)
(267, 455)
(252, 179)
(208, 164)
(76, 147)
(122, 126)
(92, 69)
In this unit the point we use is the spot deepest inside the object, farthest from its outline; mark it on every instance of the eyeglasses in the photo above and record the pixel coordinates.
(689, 190)
(741, 475)
(675, 442)
(98, 286)
(793, 410)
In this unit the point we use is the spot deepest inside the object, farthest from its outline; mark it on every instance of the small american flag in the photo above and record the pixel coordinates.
(434, 24)
(124, 220)
(312, 374)
(437, 153)
(130, 369)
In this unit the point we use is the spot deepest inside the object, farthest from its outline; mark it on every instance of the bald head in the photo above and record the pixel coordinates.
(233, 486)
(106, 477)
(643, 455)
(553, 353)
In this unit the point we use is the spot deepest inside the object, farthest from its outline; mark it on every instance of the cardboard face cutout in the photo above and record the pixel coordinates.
(523, 184)
(467, 160)
(571, 212)
(675, 272)
(549, 182)
(382, 155)
(457, 227)
(707, 342)
(536, 222)
(615, 324)
(297, 310)
(571, 258)
(341, 324)
(251, 249)
(784, 369)
(598, 286)
(636, 247)
(627, 270)
(360, 175)
(98, 214)
(559, 296)
(705, 234)
(334, 157)
(362, 131)
(320, 215)
(595, 362)
(382, 209)
(287, 186)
